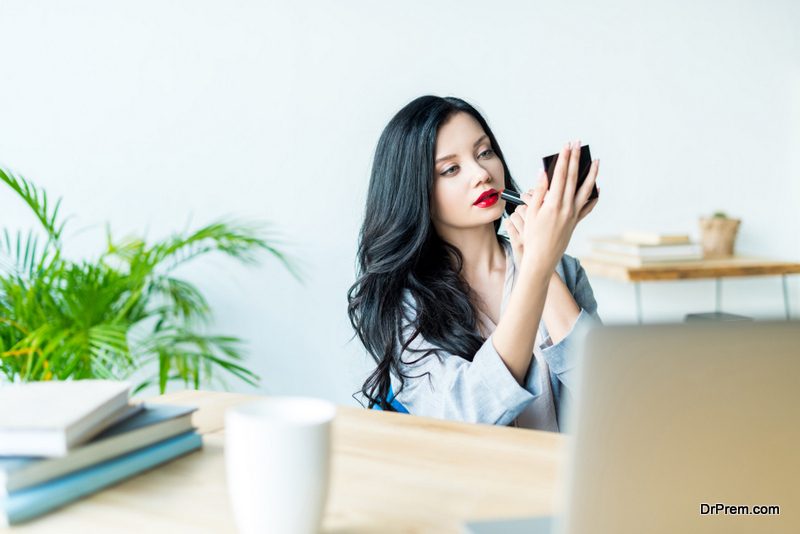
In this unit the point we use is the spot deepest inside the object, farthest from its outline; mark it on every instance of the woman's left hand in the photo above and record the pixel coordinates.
(516, 222)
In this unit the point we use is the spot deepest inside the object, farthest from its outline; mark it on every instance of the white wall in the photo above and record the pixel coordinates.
(148, 113)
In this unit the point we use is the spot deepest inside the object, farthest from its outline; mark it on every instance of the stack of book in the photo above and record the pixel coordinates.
(636, 249)
(60, 441)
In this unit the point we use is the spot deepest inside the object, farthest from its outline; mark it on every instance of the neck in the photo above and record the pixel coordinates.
(479, 247)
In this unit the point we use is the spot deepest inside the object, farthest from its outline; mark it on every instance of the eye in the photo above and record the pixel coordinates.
(450, 170)
(488, 153)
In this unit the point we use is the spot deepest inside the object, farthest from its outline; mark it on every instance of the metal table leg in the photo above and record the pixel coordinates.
(718, 294)
(638, 289)
(786, 298)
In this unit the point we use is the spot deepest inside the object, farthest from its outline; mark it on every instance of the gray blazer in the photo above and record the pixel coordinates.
(484, 390)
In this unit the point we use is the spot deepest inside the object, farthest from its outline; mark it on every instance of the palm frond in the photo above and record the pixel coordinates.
(22, 255)
(193, 357)
(238, 240)
(36, 199)
(110, 341)
(182, 298)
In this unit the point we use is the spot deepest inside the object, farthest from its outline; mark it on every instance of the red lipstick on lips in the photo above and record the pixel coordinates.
(487, 199)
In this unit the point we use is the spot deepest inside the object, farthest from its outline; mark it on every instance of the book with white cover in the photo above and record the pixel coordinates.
(646, 252)
(50, 418)
(154, 423)
(641, 237)
(635, 261)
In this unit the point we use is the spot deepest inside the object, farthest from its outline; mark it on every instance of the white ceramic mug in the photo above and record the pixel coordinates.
(277, 460)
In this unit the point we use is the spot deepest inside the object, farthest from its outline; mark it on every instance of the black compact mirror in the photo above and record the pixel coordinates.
(584, 166)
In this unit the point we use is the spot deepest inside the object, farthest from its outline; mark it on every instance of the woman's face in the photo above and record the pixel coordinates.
(466, 168)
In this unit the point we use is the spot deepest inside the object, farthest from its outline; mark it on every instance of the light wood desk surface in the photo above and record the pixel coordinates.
(390, 473)
(685, 270)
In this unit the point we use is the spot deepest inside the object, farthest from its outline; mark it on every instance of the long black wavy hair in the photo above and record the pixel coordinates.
(400, 250)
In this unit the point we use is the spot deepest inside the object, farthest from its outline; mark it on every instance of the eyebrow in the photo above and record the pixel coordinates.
(481, 138)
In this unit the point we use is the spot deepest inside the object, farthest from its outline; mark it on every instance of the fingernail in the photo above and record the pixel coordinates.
(577, 143)
(568, 146)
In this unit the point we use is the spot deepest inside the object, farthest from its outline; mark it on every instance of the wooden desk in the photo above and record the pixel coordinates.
(707, 268)
(390, 473)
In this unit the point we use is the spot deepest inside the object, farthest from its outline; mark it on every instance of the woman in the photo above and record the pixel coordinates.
(461, 323)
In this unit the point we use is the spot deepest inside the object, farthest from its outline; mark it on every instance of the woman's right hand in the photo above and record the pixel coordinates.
(541, 230)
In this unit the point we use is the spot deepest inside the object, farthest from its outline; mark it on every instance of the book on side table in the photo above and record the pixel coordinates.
(636, 254)
(643, 237)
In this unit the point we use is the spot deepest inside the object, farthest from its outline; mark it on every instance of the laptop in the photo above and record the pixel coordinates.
(691, 427)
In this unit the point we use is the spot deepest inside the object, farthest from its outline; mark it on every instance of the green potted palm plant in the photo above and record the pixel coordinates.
(124, 314)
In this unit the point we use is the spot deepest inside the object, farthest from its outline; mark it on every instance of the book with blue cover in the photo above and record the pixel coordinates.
(153, 423)
(37, 500)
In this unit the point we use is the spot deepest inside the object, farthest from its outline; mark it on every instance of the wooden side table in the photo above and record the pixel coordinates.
(717, 268)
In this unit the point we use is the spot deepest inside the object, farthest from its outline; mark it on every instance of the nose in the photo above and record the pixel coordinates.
(481, 175)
